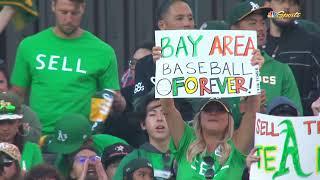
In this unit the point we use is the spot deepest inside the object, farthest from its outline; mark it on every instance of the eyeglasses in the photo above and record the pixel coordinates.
(209, 174)
(82, 159)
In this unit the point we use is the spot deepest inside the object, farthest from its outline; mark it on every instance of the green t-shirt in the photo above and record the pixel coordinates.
(278, 80)
(63, 74)
(31, 155)
(162, 162)
(231, 170)
(100, 141)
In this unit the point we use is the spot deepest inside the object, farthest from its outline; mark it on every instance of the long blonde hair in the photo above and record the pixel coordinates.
(199, 146)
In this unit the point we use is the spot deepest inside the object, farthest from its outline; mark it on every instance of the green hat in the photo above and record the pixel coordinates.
(71, 131)
(10, 106)
(244, 9)
(215, 25)
(136, 164)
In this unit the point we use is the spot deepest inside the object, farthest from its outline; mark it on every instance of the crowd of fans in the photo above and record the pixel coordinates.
(68, 72)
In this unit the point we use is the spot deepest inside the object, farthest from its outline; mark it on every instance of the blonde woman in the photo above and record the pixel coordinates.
(211, 149)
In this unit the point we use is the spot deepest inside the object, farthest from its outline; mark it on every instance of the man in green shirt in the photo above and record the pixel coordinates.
(276, 78)
(64, 66)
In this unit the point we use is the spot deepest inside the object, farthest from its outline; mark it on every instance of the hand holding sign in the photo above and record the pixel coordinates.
(252, 158)
(156, 53)
(257, 58)
(197, 63)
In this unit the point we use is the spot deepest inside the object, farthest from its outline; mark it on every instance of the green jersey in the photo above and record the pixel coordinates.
(277, 79)
(232, 169)
(31, 156)
(63, 74)
(161, 162)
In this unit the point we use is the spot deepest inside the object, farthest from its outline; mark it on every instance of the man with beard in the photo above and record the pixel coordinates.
(291, 44)
(64, 66)
(86, 165)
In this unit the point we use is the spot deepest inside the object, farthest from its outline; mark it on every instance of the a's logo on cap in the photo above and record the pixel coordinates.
(119, 148)
(254, 6)
(62, 137)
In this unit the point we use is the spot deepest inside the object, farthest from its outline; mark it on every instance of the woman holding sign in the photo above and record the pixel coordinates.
(211, 149)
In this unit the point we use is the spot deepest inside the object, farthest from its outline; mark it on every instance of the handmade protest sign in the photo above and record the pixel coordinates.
(289, 148)
(206, 63)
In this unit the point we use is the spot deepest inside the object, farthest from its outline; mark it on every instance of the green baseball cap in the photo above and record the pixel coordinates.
(71, 131)
(244, 9)
(215, 25)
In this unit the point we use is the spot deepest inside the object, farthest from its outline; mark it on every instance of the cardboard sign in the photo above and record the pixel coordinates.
(289, 148)
(206, 63)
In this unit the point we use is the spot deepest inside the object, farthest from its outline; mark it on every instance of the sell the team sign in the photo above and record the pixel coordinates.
(205, 63)
(288, 147)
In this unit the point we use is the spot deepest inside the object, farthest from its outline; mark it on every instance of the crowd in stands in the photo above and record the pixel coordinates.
(83, 122)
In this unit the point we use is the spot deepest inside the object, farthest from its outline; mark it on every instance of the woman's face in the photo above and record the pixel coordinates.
(8, 130)
(9, 169)
(214, 118)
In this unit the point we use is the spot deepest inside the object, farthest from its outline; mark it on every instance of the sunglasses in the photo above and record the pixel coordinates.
(7, 162)
(82, 159)
(209, 174)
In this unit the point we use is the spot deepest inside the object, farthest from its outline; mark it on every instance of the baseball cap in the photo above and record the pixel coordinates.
(220, 102)
(11, 150)
(215, 25)
(10, 106)
(244, 9)
(285, 103)
(71, 131)
(114, 152)
(136, 164)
